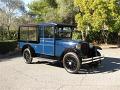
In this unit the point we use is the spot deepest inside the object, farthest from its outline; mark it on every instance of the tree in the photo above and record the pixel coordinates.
(98, 15)
(44, 10)
(66, 11)
(10, 9)
(53, 10)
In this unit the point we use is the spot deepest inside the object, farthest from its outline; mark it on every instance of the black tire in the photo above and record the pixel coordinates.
(27, 56)
(71, 62)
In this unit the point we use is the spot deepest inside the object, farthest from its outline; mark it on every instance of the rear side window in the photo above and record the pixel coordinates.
(28, 33)
(24, 33)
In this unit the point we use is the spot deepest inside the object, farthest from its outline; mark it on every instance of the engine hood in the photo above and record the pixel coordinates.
(66, 43)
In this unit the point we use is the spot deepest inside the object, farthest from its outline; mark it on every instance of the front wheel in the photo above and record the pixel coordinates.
(27, 56)
(71, 62)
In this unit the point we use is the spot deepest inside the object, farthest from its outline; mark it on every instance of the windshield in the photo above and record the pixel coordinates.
(63, 32)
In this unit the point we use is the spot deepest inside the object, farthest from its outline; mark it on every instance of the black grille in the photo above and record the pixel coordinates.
(85, 48)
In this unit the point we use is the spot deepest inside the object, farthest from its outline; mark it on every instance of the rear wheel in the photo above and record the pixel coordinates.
(71, 62)
(27, 56)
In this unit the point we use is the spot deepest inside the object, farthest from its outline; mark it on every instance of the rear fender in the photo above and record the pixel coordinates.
(31, 49)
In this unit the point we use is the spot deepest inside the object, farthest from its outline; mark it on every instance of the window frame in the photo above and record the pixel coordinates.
(71, 32)
(37, 31)
(53, 31)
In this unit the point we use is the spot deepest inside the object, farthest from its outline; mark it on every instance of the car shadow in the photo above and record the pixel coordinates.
(54, 63)
(108, 65)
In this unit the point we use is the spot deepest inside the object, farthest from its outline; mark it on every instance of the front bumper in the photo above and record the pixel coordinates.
(93, 59)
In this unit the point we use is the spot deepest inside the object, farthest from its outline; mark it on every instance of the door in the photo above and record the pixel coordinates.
(48, 40)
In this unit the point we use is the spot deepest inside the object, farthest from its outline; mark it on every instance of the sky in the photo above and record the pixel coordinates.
(27, 1)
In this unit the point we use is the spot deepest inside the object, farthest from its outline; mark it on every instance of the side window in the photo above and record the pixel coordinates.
(49, 32)
(33, 34)
(28, 33)
(24, 33)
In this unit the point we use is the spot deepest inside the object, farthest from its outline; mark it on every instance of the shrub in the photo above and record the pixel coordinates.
(7, 46)
(5, 35)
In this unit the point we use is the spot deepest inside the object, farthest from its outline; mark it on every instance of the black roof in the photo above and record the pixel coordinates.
(49, 24)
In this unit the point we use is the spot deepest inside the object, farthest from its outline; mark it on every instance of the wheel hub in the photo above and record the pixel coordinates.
(70, 63)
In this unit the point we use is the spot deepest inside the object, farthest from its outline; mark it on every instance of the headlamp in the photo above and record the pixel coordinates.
(78, 46)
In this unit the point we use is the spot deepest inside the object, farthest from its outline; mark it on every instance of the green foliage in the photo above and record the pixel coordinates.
(94, 36)
(44, 10)
(5, 35)
(66, 10)
(98, 37)
(76, 36)
(9, 12)
(98, 14)
(53, 10)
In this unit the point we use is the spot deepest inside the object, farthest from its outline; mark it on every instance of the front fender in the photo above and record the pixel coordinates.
(97, 47)
(77, 51)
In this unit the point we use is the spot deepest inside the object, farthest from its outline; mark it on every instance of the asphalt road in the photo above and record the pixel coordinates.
(45, 74)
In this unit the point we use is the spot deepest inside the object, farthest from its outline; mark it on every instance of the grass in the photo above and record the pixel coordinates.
(7, 46)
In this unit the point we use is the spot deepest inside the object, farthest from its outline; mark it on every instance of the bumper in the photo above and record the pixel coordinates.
(93, 59)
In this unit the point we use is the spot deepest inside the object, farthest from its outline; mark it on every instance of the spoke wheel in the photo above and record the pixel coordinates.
(27, 56)
(71, 62)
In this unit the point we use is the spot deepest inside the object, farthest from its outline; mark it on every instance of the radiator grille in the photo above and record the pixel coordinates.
(85, 48)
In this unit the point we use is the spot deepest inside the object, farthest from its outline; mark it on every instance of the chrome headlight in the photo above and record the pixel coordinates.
(78, 46)
(91, 45)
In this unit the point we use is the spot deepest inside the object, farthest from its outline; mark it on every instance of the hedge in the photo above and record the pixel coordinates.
(7, 46)
(5, 35)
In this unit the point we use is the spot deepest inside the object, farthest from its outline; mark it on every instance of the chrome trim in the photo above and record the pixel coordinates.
(93, 59)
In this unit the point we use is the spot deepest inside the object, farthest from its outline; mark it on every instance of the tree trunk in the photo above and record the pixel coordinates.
(105, 34)
(83, 38)
(8, 31)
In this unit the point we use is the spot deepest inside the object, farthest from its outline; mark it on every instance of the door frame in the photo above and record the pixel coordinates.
(47, 43)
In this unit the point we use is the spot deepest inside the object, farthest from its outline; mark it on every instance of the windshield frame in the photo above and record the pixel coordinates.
(63, 31)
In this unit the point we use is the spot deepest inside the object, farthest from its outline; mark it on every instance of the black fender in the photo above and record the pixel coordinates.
(97, 47)
(77, 51)
(31, 49)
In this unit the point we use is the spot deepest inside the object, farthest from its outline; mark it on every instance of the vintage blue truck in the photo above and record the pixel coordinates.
(55, 40)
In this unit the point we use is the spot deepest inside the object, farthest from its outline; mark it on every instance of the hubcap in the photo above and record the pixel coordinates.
(71, 63)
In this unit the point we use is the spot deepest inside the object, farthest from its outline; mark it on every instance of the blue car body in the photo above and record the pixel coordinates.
(55, 40)
(49, 46)
(54, 46)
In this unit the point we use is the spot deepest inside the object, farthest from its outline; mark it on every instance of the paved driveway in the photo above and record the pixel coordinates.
(45, 74)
